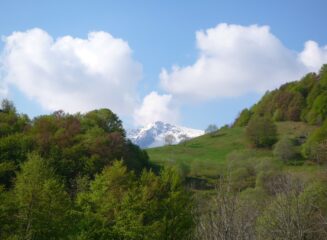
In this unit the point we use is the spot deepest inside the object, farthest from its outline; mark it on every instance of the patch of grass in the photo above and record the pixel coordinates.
(206, 156)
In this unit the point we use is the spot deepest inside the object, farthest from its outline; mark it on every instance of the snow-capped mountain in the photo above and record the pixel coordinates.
(154, 134)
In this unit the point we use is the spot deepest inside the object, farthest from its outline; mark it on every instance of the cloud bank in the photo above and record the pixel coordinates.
(156, 107)
(72, 74)
(75, 74)
(235, 60)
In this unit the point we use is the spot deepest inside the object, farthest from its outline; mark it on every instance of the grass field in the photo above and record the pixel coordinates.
(207, 156)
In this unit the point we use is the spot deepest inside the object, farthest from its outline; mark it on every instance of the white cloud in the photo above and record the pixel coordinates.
(72, 74)
(156, 107)
(234, 60)
(313, 56)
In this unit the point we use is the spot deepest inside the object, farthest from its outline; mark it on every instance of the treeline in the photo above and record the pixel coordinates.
(304, 100)
(68, 176)
(73, 145)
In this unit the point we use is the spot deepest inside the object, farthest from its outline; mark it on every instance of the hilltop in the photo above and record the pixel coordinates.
(298, 110)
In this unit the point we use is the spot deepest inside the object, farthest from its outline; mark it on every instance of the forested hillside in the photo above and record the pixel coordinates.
(68, 176)
(265, 176)
(303, 100)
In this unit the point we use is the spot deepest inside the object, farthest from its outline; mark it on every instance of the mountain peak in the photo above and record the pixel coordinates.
(153, 135)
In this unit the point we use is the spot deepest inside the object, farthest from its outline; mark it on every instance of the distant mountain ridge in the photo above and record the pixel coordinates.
(153, 135)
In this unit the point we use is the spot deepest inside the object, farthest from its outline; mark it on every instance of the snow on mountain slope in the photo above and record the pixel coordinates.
(154, 134)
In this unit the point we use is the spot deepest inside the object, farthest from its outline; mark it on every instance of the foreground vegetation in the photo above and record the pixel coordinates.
(60, 179)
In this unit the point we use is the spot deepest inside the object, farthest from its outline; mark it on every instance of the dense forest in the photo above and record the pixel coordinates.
(77, 177)
(66, 176)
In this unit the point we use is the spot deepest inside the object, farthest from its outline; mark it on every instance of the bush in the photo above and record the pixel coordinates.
(261, 132)
(285, 150)
(211, 128)
(316, 146)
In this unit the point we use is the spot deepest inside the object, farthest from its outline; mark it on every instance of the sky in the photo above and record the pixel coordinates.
(191, 63)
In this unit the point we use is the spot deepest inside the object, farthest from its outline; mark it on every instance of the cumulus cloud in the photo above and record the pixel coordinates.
(156, 107)
(72, 74)
(313, 56)
(235, 60)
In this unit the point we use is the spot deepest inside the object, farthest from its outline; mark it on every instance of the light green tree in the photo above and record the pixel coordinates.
(43, 205)
(120, 205)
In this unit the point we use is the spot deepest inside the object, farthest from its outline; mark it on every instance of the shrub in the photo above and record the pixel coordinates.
(285, 150)
(211, 128)
(261, 132)
(316, 146)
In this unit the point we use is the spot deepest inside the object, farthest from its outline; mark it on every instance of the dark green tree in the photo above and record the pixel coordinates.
(261, 132)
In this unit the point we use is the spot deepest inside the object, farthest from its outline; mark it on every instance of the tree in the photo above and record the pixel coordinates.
(315, 147)
(293, 213)
(211, 128)
(285, 150)
(43, 205)
(120, 206)
(105, 119)
(170, 139)
(277, 116)
(227, 217)
(8, 106)
(261, 132)
(8, 211)
(184, 138)
(243, 118)
(319, 151)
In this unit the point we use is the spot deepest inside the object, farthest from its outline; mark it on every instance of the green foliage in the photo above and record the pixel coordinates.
(131, 153)
(261, 132)
(303, 100)
(120, 207)
(316, 146)
(7, 173)
(285, 150)
(36, 190)
(7, 214)
(42, 203)
(72, 145)
(8, 106)
(278, 115)
(104, 119)
(293, 214)
(318, 111)
(10, 121)
(243, 118)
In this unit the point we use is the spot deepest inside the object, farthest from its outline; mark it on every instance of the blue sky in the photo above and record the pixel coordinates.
(162, 34)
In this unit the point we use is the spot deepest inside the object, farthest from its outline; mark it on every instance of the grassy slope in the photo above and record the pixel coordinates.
(206, 156)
